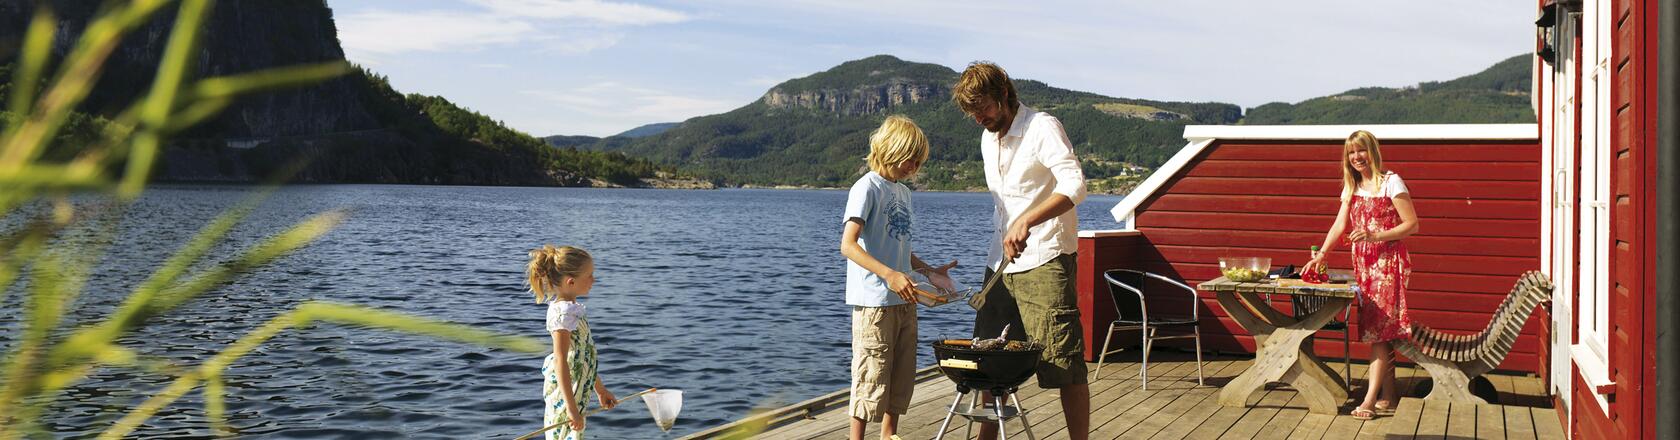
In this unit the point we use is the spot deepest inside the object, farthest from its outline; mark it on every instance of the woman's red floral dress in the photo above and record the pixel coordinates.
(1383, 269)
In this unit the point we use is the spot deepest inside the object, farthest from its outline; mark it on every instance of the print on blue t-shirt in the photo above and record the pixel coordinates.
(898, 220)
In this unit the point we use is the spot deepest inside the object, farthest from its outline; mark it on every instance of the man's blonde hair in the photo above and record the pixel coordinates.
(896, 141)
(549, 265)
(1351, 179)
(981, 83)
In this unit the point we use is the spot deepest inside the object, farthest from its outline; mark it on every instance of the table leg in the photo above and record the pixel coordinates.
(1282, 354)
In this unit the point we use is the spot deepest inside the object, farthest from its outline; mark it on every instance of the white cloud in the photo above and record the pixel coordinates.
(565, 27)
(389, 32)
(614, 104)
(598, 11)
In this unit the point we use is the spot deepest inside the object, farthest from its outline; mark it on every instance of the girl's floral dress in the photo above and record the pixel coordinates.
(1383, 267)
(568, 315)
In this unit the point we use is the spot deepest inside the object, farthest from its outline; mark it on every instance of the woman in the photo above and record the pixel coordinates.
(1377, 207)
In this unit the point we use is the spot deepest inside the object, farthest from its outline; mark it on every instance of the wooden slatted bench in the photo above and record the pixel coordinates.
(1452, 360)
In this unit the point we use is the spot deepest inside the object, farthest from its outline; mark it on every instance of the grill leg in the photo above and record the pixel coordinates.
(1021, 411)
(948, 414)
(997, 407)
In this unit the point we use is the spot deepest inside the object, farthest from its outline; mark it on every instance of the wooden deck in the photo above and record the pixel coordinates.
(1174, 407)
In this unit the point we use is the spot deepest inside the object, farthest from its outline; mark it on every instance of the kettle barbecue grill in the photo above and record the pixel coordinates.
(999, 372)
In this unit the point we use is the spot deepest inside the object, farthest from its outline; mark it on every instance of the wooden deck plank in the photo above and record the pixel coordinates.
(1490, 422)
(1312, 427)
(1111, 411)
(1153, 424)
(1259, 414)
(1546, 424)
(1131, 391)
(1432, 422)
(1342, 427)
(1285, 421)
(1195, 417)
(1222, 418)
(1153, 403)
(1519, 424)
(1461, 420)
(1175, 408)
(1406, 417)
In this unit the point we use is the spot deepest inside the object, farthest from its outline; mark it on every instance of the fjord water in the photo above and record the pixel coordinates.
(734, 296)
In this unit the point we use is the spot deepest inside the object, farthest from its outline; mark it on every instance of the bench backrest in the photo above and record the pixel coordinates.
(1490, 346)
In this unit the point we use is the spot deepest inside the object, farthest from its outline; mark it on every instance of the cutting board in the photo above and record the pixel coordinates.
(1291, 282)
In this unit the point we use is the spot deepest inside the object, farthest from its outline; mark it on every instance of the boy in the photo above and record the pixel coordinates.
(876, 243)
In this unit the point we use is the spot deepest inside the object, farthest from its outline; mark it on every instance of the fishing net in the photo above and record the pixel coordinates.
(664, 405)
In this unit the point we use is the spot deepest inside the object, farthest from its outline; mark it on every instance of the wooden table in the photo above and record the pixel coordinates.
(1283, 344)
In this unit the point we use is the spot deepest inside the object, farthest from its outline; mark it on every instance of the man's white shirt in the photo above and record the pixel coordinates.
(1026, 166)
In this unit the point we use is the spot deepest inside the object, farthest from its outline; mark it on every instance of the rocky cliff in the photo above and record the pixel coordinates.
(861, 100)
(352, 129)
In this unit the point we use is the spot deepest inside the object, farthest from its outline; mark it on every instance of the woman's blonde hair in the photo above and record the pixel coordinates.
(550, 265)
(896, 141)
(984, 82)
(1351, 179)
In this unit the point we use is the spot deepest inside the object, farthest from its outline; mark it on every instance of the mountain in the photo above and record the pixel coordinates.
(649, 129)
(1498, 94)
(354, 129)
(814, 130)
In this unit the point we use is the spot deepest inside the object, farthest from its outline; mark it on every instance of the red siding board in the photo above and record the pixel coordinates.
(1317, 223)
(1316, 203)
(1469, 171)
(1392, 152)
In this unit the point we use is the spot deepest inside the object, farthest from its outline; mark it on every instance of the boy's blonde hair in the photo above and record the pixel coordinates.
(550, 265)
(896, 141)
(984, 82)
(1351, 177)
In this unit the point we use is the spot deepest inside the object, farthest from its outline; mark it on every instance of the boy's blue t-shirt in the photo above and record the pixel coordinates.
(884, 207)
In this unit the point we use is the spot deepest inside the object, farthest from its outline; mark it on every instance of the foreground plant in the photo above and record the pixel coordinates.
(46, 356)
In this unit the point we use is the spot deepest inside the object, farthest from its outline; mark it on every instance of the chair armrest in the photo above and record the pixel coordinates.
(1195, 311)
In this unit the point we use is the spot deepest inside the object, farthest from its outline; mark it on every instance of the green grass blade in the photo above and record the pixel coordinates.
(37, 46)
(162, 294)
(178, 56)
(79, 71)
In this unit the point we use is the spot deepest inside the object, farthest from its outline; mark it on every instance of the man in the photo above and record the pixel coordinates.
(1035, 182)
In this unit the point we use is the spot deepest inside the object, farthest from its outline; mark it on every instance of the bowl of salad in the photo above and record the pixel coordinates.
(1244, 269)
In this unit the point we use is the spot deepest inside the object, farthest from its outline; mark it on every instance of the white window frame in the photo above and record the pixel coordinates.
(1591, 351)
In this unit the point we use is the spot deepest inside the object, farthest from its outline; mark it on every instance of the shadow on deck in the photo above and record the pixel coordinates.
(1174, 407)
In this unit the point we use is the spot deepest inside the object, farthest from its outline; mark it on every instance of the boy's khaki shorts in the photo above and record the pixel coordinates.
(883, 360)
(1040, 304)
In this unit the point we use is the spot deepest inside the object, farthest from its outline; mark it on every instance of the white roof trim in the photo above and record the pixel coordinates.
(1200, 136)
(1123, 211)
(1384, 132)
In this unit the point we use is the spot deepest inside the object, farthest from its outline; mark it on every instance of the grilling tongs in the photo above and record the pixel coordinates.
(978, 299)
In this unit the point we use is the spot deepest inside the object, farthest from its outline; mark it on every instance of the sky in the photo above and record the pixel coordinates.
(589, 67)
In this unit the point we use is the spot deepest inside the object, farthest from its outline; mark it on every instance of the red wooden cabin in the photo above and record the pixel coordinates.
(1587, 195)
(1596, 94)
(1272, 191)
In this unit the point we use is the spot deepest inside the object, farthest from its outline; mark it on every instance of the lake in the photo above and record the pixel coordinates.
(734, 296)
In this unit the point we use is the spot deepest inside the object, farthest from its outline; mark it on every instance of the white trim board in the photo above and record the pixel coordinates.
(1200, 136)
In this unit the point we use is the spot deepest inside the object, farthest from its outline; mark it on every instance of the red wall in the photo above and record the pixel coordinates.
(1632, 230)
(1478, 204)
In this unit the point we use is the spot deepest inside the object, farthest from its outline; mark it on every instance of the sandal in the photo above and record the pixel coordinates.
(1385, 405)
(1363, 414)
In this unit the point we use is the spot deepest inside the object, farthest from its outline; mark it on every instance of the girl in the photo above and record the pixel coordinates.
(557, 277)
(1378, 208)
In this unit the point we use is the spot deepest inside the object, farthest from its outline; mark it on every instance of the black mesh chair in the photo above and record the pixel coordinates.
(1127, 288)
(1304, 305)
